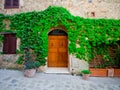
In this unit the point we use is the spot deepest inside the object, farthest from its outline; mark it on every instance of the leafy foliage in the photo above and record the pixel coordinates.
(89, 34)
(20, 60)
(1, 26)
(86, 72)
(28, 60)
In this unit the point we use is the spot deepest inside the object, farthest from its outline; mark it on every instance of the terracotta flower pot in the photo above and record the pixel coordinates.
(117, 73)
(30, 72)
(85, 76)
(99, 72)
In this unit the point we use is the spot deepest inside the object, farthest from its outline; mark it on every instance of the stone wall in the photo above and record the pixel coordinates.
(83, 8)
(8, 61)
(76, 65)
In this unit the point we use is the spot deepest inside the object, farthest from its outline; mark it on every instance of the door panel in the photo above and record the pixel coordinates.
(52, 62)
(62, 61)
(58, 51)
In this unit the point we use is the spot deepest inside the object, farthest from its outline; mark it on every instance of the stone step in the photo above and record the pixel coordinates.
(56, 70)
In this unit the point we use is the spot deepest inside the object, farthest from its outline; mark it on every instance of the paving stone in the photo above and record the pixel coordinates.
(14, 81)
(55, 82)
(7, 78)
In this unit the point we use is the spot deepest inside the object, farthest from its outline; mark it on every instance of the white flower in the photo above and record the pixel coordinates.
(86, 38)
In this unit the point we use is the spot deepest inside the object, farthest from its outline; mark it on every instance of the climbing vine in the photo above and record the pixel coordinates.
(1, 25)
(84, 34)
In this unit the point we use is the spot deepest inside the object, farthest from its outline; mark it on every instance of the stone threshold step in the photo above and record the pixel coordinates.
(56, 70)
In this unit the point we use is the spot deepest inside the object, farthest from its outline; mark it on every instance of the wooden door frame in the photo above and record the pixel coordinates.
(63, 29)
(58, 27)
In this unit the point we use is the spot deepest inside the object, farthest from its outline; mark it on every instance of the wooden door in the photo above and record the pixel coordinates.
(58, 51)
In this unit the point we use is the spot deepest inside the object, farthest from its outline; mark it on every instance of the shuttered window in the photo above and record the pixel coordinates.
(11, 4)
(90, 1)
(9, 45)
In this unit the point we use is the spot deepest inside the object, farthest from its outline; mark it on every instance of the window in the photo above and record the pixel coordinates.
(9, 45)
(93, 14)
(11, 4)
(90, 1)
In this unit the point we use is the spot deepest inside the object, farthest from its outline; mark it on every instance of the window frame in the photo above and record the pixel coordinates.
(90, 1)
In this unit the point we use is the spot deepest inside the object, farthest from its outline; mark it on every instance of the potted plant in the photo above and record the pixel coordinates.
(85, 74)
(99, 72)
(30, 68)
(30, 65)
(100, 66)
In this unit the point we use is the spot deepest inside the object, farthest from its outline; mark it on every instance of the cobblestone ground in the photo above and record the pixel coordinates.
(15, 80)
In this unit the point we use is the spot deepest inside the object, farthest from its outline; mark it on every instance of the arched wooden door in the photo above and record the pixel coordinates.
(57, 49)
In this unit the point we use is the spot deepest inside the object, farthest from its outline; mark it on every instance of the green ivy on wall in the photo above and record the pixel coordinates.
(1, 25)
(85, 35)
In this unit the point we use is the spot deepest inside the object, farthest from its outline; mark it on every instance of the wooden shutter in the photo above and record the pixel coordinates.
(8, 3)
(15, 3)
(9, 46)
(6, 44)
(11, 4)
(12, 45)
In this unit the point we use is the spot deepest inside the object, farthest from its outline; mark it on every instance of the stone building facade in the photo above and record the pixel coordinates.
(82, 8)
